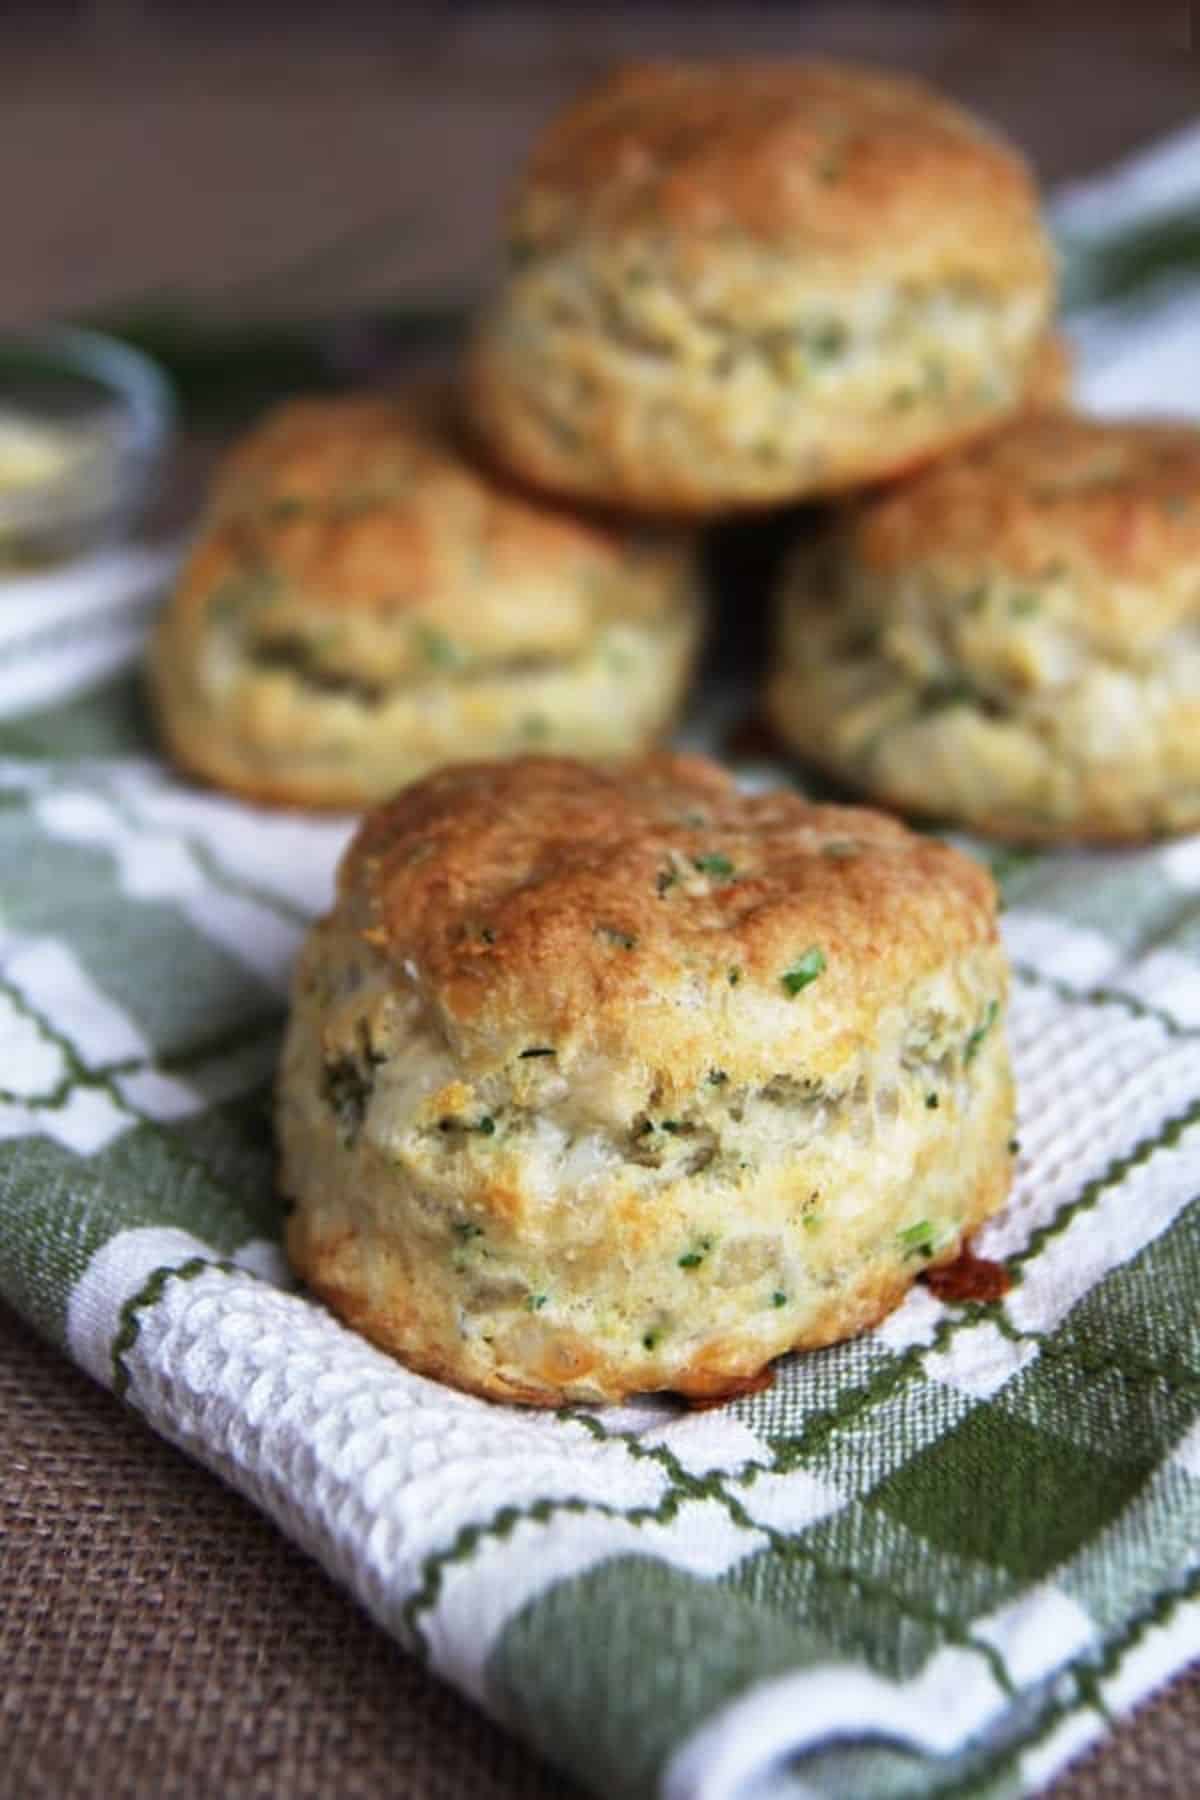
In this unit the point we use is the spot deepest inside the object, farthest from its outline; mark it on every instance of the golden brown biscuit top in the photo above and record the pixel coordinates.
(1106, 514)
(654, 915)
(373, 506)
(824, 160)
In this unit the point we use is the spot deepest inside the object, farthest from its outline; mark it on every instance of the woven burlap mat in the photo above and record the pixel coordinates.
(159, 1638)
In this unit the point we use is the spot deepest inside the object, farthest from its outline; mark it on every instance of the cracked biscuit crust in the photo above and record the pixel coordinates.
(365, 603)
(738, 284)
(1010, 640)
(605, 1082)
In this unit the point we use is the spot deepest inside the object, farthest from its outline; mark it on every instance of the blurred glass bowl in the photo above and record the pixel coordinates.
(84, 425)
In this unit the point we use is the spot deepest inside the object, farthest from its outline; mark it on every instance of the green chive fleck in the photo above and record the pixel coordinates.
(486, 1127)
(465, 1232)
(1014, 1146)
(975, 1040)
(625, 940)
(671, 1125)
(918, 1239)
(650, 1339)
(691, 1259)
(931, 1101)
(537, 1050)
(811, 1221)
(778, 1298)
(437, 649)
(804, 971)
(714, 865)
(735, 975)
(828, 340)
(948, 690)
(536, 1302)
(717, 1078)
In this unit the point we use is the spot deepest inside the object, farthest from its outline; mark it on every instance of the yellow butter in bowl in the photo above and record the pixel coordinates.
(32, 453)
(84, 422)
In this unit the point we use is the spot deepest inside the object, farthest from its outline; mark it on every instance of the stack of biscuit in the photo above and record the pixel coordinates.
(725, 288)
(603, 1077)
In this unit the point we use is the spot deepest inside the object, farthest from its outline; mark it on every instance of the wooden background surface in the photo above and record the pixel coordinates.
(276, 156)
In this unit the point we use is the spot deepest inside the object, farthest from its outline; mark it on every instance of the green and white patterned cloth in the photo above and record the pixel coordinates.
(936, 1561)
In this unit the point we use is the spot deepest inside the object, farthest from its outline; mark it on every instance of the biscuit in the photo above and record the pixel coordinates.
(603, 1081)
(739, 284)
(365, 603)
(1050, 379)
(1009, 640)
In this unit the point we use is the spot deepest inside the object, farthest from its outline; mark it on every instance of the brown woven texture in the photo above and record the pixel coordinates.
(158, 1637)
